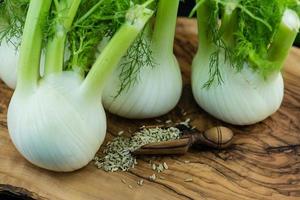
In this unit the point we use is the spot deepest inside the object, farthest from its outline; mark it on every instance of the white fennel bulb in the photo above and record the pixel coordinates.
(242, 98)
(236, 72)
(9, 56)
(11, 14)
(155, 93)
(55, 127)
(56, 121)
(157, 87)
(8, 67)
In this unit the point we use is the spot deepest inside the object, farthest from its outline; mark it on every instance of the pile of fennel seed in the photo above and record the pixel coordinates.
(117, 154)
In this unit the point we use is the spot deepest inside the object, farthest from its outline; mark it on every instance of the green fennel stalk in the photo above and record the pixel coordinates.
(164, 30)
(282, 42)
(66, 11)
(31, 45)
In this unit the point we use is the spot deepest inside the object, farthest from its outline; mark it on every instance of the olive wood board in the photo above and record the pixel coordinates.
(263, 162)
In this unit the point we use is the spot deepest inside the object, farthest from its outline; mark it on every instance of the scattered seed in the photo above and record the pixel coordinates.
(168, 121)
(123, 181)
(120, 133)
(153, 166)
(140, 182)
(130, 186)
(160, 168)
(166, 166)
(187, 161)
(114, 169)
(288, 150)
(188, 180)
(152, 177)
(186, 122)
(142, 127)
(158, 120)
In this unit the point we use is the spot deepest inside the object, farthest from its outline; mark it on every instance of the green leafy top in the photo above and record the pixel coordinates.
(244, 30)
(12, 19)
(94, 21)
(139, 55)
(84, 38)
(254, 36)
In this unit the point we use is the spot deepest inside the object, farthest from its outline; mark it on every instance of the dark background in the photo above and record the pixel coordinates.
(186, 7)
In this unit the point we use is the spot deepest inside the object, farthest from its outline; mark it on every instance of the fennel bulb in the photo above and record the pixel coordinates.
(242, 98)
(8, 66)
(55, 127)
(56, 122)
(12, 14)
(156, 89)
(252, 90)
(9, 56)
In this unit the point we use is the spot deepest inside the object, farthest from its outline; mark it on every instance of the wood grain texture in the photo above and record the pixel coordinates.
(263, 163)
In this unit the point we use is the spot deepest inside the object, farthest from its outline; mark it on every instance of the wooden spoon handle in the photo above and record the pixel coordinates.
(179, 146)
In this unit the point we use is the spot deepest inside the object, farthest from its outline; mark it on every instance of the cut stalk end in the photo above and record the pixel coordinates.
(138, 15)
(284, 38)
(291, 20)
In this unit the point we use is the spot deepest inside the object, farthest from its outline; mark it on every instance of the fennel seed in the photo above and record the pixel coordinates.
(140, 182)
(186, 122)
(120, 133)
(152, 177)
(168, 121)
(160, 168)
(165, 165)
(153, 166)
(188, 180)
(117, 154)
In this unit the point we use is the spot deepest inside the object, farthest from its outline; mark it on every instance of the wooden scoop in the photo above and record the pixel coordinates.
(216, 137)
